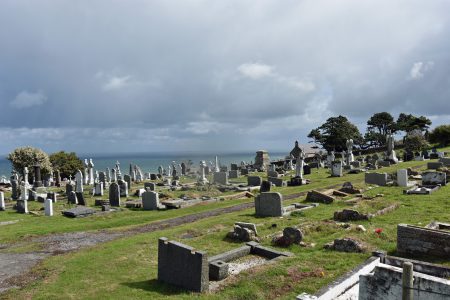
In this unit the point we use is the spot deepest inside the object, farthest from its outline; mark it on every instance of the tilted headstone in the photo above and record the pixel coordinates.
(114, 194)
(269, 204)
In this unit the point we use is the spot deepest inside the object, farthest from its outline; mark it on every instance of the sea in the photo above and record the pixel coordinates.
(149, 162)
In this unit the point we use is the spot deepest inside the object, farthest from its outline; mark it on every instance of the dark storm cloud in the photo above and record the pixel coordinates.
(147, 75)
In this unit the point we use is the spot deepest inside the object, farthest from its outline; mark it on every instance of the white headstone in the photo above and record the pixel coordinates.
(48, 207)
(402, 177)
(336, 169)
(2, 201)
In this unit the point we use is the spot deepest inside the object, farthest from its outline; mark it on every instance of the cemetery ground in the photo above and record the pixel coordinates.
(114, 255)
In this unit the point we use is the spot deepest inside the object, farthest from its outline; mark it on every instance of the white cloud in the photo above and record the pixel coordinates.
(419, 69)
(255, 70)
(116, 83)
(203, 127)
(26, 99)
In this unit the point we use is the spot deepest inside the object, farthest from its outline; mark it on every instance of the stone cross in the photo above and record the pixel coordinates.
(202, 179)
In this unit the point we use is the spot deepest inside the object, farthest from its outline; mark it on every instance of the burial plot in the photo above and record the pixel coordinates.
(79, 211)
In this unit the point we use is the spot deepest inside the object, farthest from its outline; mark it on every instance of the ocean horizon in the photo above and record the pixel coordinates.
(149, 162)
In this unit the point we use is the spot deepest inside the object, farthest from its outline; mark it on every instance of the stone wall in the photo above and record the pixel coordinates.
(386, 283)
(419, 241)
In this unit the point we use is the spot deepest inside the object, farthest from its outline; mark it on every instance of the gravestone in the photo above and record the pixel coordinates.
(434, 165)
(79, 182)
(114, 194)
(265, 186)
(2, 201)
(182, 266)
(434, 178)
(78, 212)
(220, 178)
(402, 177)
(233, 167)
(380, 179)
(271, 173)
(356, 164)
(269, 204)
(183, 169)
(48, 207)
(72, 197)
(98, 189)
(123, 185)
(127, 179)
(153, 176)
(445, 161)
(149, 186)
(336, 168)
(14, 188)
(277, 181)
(80, 199)
(53, 196)
(244, 172)
(150, 200)
(22, 206)
(233, 174)
(306, 169)
(69, 188)
(254, 180)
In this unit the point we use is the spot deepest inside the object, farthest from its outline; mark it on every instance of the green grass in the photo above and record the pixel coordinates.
(127, 267)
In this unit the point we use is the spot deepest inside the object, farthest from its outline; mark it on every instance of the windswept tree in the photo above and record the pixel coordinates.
(378, 127)
(67, 163)
(333, 134)
(29, 157)
(408, 123)
(440, 135)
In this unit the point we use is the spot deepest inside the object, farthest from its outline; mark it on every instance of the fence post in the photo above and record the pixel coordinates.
(407, 281)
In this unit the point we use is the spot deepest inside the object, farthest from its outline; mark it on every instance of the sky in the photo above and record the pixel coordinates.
(223, 75)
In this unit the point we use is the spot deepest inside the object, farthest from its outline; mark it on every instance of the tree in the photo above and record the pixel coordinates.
(67, 163)
(441, 135)
(28, 157)
(408, 123)
(333, 134)
(379, 126)
(415, 141)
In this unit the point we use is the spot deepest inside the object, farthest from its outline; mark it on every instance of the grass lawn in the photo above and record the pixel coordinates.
(127, 267)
